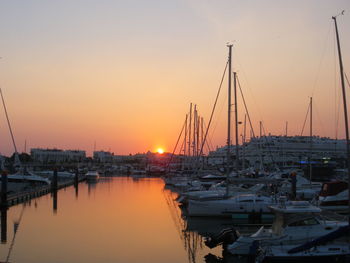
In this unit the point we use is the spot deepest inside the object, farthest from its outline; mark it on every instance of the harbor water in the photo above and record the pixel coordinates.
(117, 219)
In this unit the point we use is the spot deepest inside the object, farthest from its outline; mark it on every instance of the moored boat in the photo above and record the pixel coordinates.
(92, 175)
(295, 223)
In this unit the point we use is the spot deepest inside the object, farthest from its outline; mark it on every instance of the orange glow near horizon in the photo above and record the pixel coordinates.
(160, 150)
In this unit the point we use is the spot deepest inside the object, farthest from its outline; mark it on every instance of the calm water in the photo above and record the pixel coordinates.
(116, 220)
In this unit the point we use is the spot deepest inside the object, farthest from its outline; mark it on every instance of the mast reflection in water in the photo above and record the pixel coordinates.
(114, 220)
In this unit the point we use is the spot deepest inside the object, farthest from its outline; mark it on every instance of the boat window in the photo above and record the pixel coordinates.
(311, 221)
(305, 222)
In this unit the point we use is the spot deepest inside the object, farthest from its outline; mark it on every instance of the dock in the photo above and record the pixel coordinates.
(24, 196)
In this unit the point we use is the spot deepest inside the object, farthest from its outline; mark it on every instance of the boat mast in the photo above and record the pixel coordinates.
(189, 132)
(194, 130)
(183, 163)
(16, 159)
(229, 108)
(260, 145)
(243, 140)
(236, 121)
(345, 107)
(185, 142)
(310, 158)
(198, 129)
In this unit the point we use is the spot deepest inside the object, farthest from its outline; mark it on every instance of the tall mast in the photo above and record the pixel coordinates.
(260, 129)
(236, 121)
(197, 136)
(201, 143)
(310, 160)
(189, 132)
(229, 107)
(8, 122)
(17, 161)
(243, 139)
(194, 130)
(260, 144)
(345, 107)
(202, 132)
(283, 146)
(185, 143)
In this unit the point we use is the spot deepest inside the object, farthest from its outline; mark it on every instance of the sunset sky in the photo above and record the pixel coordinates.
(123, 73)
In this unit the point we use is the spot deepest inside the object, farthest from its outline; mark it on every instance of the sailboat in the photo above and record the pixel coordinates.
(330, 246)
(22, 175)
(245, 204)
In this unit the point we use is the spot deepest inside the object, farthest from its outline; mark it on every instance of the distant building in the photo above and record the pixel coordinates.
(57, 155)
(219, 157)
(103, 157)
(282, 150)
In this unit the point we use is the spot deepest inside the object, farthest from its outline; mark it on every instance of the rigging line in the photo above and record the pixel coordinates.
(321, 60)
(8, 121)
(338, 113)
(177, 142)
(307, 114)
(219, 114)
(319, 118)
(245, 106)
(347, 80)
(209, 141)
(174, 215)
(182, 146)
(246, 79)
(208, 148)
(213, 110)
(14, 235)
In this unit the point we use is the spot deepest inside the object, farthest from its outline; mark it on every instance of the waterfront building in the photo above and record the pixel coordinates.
(103, 157)
(219, 156)
(57, 155)
(283, 150)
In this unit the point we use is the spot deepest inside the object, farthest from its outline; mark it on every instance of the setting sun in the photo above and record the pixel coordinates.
(160, 151)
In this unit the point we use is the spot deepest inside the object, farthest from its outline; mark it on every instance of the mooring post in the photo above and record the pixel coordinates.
(76, 178)
(54, 201)
(76, 182)
(3, 225)
(54, 180)
(4, 180)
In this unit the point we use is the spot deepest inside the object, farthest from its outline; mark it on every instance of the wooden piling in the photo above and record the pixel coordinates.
(3, 198)
(54, 183)
(3, 225)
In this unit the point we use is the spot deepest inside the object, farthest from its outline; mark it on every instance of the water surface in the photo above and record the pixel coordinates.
(115, 220)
